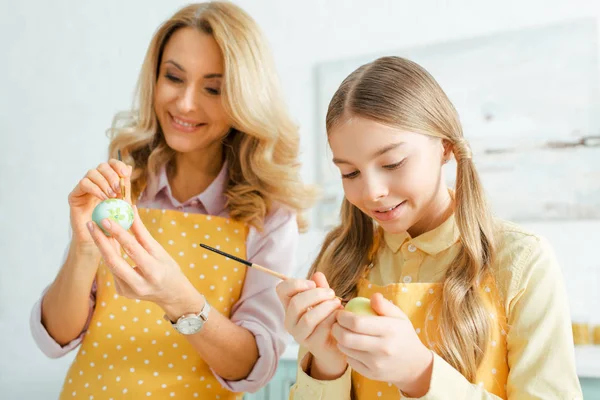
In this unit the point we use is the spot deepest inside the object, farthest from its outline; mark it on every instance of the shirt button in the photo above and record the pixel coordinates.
(412, 248)
(407, 279)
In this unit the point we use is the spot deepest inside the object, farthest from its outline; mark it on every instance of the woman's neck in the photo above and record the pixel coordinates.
(191, 173)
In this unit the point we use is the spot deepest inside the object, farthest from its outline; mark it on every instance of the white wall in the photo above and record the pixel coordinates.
(68, 66)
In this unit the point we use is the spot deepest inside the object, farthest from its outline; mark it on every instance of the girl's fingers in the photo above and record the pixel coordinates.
(314, 317)
(352, 340)
(308, 298)
(291, 287)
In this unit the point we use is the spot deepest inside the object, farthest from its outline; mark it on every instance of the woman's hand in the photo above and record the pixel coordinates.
(98, 184)
(156, 277)
(385, 347)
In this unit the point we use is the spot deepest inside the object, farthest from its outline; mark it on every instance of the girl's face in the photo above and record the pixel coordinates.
(391, 175)
(187, 97)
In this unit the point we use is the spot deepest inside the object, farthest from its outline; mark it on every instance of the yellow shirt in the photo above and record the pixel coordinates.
(540, 351)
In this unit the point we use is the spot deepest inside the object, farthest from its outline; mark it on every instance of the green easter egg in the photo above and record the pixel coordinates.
(360, 306)
(116, 210)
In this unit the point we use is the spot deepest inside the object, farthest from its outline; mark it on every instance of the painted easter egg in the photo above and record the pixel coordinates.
(360, 306)
(116, 210)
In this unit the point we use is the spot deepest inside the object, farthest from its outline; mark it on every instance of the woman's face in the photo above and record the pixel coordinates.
(187, 97)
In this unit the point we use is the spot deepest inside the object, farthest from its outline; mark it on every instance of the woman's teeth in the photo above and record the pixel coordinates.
(180, 122)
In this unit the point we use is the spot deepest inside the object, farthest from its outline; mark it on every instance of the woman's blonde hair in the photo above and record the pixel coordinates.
(262, 147)
(399, 93)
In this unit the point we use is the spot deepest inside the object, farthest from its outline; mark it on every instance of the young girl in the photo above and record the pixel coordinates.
(211, 156)
(467, 306)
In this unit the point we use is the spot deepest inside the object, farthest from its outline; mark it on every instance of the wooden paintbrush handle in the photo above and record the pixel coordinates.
(282, 277)
(270, 272)
(252, 265)
(123, 189)
(121, 179)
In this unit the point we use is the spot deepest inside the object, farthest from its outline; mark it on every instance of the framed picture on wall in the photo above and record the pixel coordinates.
(529, 103)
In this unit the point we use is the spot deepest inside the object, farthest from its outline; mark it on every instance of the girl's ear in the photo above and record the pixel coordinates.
(447, 153)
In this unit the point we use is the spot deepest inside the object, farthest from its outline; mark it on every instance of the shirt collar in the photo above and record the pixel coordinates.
(431, 242)
(212, 198)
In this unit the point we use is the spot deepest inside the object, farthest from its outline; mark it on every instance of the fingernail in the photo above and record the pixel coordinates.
(110, 192)
(330, 292)
(124, 172)
(106, 223)
(312, 284)
(90, 226)
(116, 187)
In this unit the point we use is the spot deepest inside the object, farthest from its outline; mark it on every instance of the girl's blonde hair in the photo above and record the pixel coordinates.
(262, 147)
(399, 93)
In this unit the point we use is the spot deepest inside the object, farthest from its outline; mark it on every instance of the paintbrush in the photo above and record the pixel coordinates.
(247, 263)
(252, 265)
(121, 180)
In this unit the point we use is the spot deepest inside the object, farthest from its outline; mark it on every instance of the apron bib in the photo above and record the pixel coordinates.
(421, 303)
(129, 350)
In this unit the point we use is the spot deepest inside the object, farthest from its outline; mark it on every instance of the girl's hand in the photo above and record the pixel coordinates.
(310, 310)
(385, 347)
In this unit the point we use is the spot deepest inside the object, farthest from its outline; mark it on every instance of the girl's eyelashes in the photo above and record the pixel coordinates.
(390, 167)
(351, 175)
(396, 165)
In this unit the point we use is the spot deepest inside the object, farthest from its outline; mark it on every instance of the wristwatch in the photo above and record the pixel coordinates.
(189, 324)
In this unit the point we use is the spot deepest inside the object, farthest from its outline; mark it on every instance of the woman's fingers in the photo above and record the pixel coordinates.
(96, 177)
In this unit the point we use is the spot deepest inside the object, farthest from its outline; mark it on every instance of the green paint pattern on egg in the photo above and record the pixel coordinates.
(116, 210)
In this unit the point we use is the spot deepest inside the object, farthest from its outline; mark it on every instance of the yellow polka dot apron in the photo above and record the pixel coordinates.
(421, 302)
(130, 351)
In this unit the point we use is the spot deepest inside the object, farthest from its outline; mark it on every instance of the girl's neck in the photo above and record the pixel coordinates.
(439, 210)
(191, 173)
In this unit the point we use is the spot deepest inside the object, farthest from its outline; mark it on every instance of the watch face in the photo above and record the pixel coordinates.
(190, 325)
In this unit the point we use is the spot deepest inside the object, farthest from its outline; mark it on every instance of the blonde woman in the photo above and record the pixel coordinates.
(467, 306)
(211, 156)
